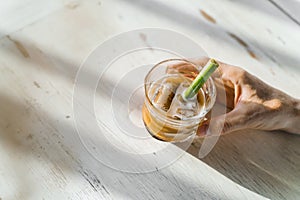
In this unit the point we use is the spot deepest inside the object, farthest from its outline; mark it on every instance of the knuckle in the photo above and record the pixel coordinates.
(242, 73)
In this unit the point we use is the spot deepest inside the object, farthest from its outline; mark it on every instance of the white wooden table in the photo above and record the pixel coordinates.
(41, 47)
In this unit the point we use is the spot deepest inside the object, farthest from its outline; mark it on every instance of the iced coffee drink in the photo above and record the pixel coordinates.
(173, 109)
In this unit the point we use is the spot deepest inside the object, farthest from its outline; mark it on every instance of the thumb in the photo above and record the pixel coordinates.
(223, 124)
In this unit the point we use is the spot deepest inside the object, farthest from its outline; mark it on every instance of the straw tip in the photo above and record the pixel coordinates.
(212, 60)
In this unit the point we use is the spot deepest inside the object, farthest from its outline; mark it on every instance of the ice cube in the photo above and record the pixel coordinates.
(165, 93)
(181, 108)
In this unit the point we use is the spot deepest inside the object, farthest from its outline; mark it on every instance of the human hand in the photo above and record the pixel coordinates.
(253, 103)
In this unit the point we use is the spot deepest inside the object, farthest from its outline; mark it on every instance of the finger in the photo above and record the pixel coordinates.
(202, 129)
(190, 68)
(225, 92)
(223, 124)
(187, 69)
(191, 63)
(201, 62)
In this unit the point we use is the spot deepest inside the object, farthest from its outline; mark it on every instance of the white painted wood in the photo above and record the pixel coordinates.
(290, 8)
(41, 155)
(16, 14)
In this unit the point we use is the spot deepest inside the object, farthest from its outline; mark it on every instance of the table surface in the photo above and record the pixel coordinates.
(42, 46)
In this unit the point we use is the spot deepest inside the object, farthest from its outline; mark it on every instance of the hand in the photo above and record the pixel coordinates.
(253, 103)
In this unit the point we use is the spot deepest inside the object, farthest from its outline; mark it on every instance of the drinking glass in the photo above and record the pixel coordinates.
(159, 123)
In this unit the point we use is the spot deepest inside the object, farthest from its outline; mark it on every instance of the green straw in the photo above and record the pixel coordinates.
(202, 77)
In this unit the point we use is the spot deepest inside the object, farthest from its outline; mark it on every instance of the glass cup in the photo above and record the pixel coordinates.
(166, 119)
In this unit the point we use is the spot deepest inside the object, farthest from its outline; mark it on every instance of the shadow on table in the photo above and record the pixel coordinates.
(265, 162)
